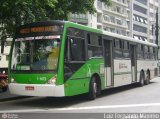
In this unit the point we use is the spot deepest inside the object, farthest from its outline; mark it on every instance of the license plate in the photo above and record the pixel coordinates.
(29, 88)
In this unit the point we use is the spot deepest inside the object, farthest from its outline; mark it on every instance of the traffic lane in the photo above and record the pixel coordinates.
(127, 95)
(41, 103)
(6, 95)
(53, 115)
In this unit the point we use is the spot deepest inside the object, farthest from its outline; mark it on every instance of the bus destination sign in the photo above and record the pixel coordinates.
(39, 29)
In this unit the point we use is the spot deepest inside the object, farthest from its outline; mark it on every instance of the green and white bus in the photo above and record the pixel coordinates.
(61, 58)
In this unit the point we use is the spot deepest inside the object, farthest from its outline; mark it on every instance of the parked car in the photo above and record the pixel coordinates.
(3, 80)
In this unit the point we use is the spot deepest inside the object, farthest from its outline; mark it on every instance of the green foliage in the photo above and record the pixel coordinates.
(18, 12)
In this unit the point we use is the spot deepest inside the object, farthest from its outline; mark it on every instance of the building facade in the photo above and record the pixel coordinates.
(132, 18)
(140, 20)
(153, 9)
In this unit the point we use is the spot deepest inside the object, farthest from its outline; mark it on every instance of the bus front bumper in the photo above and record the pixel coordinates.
(37, 89)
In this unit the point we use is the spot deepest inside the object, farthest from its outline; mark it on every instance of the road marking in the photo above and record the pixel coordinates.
(109, 106)
(82, 108)
(22, 111)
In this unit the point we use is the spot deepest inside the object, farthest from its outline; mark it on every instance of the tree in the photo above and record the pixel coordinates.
(74, 6)
(18, 12)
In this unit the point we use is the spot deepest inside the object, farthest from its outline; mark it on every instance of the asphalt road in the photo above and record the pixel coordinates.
(127, 99)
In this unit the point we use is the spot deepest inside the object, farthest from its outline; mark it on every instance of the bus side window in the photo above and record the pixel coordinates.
(126, 49)
(74, 50)
(140, 51)
(77, 49)
(146, 52)
(74, 55)
(118, 48)
(94, 46)
(67, 51)
(151, 53)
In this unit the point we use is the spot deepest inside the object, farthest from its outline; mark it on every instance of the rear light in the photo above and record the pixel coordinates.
(52, 80)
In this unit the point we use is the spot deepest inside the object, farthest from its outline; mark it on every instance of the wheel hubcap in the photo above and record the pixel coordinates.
(95, 88)
(142, 81)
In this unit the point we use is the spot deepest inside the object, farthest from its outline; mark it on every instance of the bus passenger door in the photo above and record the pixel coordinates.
(108, 63)
(133, 63)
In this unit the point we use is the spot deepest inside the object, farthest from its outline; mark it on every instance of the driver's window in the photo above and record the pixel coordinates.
(76, 49)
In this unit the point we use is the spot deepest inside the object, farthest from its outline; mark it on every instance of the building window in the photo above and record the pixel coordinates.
(119, 22)
(142, 1)
(124, 1)
(106, 18)
(123, 32)
(151, 6)
(139, 28)
(118, 31)
(139, 19)
(106, 28)
(113, 30)
(112, 18)
(118, 9)
(140, 9)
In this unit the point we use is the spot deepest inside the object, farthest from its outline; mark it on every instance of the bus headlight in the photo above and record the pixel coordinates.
(13, 80)
(3, 72)
(52, 80)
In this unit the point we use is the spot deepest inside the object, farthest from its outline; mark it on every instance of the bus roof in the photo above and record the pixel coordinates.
(130, 39)
(114, 35)
(87, 28)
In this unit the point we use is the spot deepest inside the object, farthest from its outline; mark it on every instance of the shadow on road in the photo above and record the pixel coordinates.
(112, 91)
(52, 102)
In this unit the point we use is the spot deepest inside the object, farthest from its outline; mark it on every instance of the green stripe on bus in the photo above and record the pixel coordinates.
(121, 73)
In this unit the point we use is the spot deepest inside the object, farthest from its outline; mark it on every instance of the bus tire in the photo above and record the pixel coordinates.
(141, 81)
(147, 78)
(93, 89)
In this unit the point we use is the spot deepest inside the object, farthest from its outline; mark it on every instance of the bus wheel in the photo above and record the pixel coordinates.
(147, 78)
(141, 81)
(93, 89)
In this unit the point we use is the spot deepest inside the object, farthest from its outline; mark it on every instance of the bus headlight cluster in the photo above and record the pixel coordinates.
(13, 80)
(52, 80)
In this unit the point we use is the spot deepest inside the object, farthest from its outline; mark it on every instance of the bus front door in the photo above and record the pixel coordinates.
(133, 63)
(108, 63)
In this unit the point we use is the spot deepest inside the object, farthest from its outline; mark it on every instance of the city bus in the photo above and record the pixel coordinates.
(61, 58)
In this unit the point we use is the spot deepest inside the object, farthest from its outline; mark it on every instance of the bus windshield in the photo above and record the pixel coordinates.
(36, 53)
